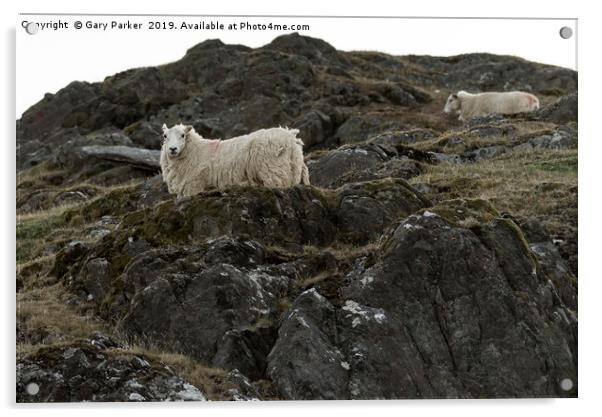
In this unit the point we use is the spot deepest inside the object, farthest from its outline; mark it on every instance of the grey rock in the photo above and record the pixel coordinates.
(298, 215)
(98, 233)
(366, 162)
(192, 312)
(145, 134)
(246, 350)
(454, 141)
(68, 255)
(315, 128)
(523, 147)
(143, 158)
(96, 278)
(245, 391)
(423, 188)
(564, 110)
(475, 328)
(484, 153)
(490, 120)
(365, 212)
(486, 131)
(447, 157)
(305, 362)
(87, 371)
(560, 139)
(69, 150)
(404, 137)
(360, 128)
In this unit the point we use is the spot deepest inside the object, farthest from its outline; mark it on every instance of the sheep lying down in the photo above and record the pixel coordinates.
(269, 157)
(467, 105)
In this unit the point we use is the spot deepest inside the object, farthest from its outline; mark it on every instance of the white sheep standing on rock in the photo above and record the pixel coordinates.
(468, 105)
(269, 157)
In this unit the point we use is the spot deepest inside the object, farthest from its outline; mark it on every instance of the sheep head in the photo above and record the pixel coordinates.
(453, 104)
(175, 139)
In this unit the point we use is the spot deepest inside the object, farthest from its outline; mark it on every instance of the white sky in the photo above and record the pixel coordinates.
(50, 59)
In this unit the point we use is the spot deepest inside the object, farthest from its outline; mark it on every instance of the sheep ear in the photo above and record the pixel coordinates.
(164, 127)
(187, 129)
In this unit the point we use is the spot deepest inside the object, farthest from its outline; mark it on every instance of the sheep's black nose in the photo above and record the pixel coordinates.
(173, 150)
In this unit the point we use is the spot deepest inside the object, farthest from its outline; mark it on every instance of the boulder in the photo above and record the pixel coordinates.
(467, 310)
(315, 128)
(97, 370)
(356, 163)
(563, 110)
(305, 362)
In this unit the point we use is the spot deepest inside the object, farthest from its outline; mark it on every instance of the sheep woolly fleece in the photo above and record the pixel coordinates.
(471, 105)
(271, 158)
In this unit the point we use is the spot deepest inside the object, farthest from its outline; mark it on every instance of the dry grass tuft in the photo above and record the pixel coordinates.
(540, 184)
(44, 317)
(212, 381)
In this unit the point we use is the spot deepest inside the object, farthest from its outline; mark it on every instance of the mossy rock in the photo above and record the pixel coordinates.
(466, 212)
(116, 203)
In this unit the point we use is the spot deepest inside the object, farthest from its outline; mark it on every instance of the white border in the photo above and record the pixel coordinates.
(589, 189)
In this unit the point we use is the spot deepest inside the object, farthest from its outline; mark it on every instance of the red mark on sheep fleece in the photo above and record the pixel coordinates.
(531, 100)
(213, 146)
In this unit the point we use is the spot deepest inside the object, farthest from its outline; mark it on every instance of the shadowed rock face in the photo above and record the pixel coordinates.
(306, 347)
(458, 319)
(357, 287)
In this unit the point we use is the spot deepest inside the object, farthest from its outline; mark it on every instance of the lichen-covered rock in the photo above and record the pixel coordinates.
(469, 310)
(562, 138)
(245, 391)
(68, 255)
(456, 305)
(191, 312)
(99, 370)
(219, 303)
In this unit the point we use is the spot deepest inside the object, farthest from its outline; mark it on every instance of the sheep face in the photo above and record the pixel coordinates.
(174, 139)
(453, 104)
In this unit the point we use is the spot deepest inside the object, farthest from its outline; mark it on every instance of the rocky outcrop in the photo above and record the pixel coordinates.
(98, 370)
(299, 215)
(479, 318)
